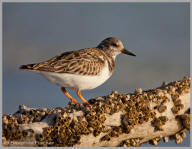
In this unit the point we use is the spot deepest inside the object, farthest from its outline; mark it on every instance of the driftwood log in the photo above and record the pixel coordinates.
(112, 120)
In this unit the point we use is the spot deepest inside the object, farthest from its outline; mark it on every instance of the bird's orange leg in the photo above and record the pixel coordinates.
(69, 96)
(81, 97)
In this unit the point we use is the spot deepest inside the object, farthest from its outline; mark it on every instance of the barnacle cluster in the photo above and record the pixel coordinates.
(10, 128)
(179, 136)
(176, 89)
(131, 142)
(137, 111)
(159, 122)
(11, 123)
(65, 132)
(71, 122)
(185, 120)
(67, 129)
(155, 141)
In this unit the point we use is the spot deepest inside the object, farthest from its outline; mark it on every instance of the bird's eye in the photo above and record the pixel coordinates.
(114, 44)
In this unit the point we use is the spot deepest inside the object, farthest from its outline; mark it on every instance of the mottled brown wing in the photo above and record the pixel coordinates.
(84, 62)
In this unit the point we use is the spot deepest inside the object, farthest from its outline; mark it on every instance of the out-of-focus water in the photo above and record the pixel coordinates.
(158, 33)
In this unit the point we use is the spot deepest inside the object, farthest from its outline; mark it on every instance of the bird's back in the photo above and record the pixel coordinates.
(84, 62)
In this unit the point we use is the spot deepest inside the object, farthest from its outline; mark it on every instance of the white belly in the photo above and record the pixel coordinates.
(78, 81)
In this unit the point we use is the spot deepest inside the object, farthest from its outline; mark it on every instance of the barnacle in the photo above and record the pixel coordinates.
(155, 141)
(165, 139)
(4, 119)
(185, 120)
(164, 83)
(138, 91)
(159, 122)
(131, 142)
(105, 138)
(3, 141)
(115, 93)
(177, 137)
(183, 134)
(162, 108)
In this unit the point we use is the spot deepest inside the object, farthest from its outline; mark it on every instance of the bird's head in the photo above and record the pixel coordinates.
(114, 46)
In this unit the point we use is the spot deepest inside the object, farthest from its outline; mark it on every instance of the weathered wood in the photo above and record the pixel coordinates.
(112, 120)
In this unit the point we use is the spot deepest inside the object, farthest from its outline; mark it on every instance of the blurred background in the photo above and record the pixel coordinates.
(158, 33)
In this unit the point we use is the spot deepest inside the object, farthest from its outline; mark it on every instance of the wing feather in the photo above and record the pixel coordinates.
(83, 62)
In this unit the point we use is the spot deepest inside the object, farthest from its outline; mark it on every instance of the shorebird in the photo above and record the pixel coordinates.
(82, 69)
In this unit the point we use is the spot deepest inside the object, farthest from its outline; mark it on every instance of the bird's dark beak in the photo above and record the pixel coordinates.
(125, 51)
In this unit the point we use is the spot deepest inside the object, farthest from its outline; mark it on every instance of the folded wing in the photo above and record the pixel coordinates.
(83, 62)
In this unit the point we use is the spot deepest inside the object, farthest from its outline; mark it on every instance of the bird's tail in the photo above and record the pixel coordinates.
(27, 67)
